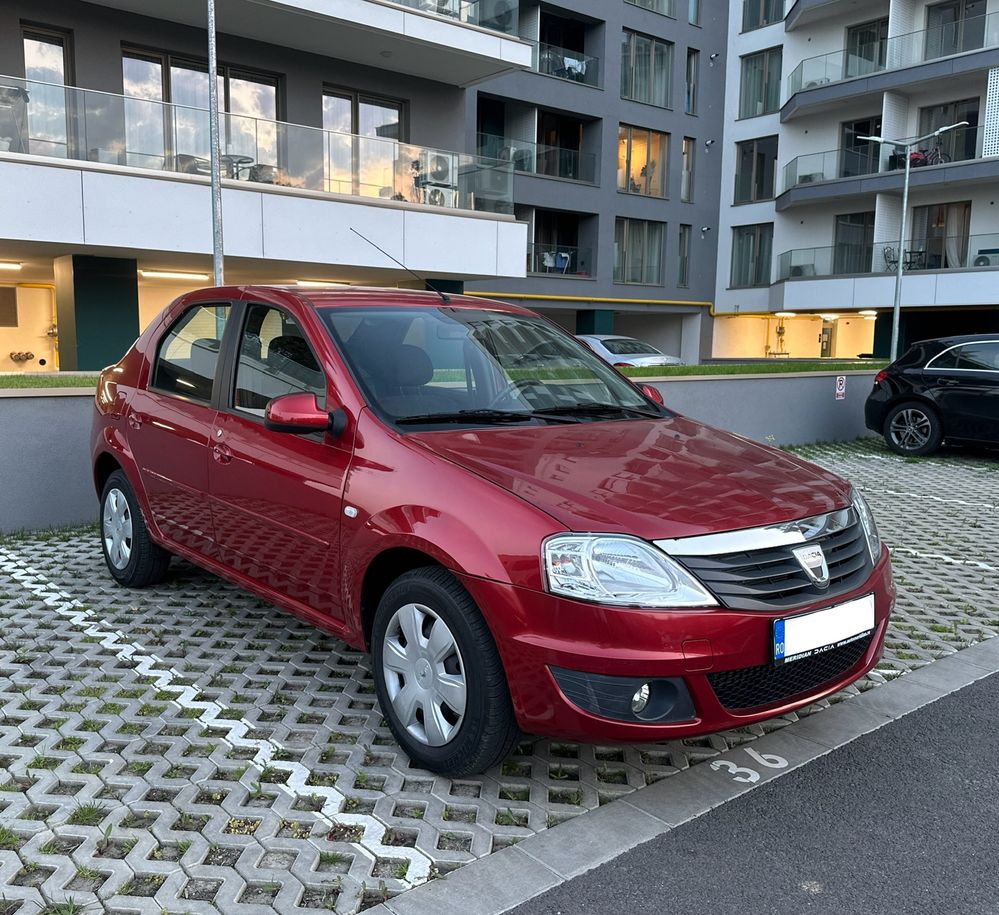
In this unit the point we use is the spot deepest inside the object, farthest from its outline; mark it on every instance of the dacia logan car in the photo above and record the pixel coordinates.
(522, 538)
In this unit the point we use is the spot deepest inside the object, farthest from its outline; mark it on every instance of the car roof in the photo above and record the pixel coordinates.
(963, 338)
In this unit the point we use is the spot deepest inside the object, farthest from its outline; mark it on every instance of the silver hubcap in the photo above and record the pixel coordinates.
(910, 429)
(117, 528)
(424, 674)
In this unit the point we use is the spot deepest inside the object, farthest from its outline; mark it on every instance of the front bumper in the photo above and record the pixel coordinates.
(536, 632)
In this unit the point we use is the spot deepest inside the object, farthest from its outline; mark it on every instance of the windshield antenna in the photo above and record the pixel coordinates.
(445, 298)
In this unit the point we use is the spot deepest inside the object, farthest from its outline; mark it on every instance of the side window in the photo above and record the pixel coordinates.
(274, 359)
(189, 353)
(979, 357)
(947, 360)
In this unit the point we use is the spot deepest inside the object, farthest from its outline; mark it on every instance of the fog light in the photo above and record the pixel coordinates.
(640, 699)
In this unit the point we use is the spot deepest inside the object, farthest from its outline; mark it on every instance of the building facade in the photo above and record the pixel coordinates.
(809, 242)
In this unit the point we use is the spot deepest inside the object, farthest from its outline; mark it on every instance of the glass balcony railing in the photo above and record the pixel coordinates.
(498, 15)
(565, 64)
(538, 159)
(954, 252)
(558, 259)
(43, 119)
(958, 145)
(970, 34)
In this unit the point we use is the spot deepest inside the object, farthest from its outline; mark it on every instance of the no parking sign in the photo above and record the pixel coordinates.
(841, 387)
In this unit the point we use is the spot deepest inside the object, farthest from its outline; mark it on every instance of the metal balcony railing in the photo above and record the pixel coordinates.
(558, 260)
(44, 119)
(971, 34)
(539, 159)
(498, 15)
(566, 64)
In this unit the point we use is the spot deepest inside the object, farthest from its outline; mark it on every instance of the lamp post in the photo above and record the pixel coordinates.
(213, 130)
(907, 146)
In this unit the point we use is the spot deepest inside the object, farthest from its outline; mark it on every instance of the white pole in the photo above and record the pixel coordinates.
(213, 127)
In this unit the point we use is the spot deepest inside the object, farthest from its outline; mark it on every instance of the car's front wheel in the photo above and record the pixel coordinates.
(913, 429)
(131, 556)
(438, 675)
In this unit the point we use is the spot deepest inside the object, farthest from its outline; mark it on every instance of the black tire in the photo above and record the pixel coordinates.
(487, 730)
(913, 429)
(146, 562)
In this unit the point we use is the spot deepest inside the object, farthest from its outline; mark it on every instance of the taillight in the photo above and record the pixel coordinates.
(881, 376)
(622, 365)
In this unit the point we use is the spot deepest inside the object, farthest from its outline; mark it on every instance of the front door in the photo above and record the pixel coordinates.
(277, 496)
(170, 422)
(966, 382)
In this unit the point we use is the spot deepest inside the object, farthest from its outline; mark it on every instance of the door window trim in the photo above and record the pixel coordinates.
(929, 365)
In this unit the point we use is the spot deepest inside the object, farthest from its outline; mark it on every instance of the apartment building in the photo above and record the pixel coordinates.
(809, 236)
(615, 135)
(336, 116)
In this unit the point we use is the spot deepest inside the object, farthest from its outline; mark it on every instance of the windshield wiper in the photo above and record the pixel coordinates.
(596, 409)
(482, 416)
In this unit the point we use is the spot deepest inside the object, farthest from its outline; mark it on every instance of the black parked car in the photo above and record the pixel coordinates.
(940, 389)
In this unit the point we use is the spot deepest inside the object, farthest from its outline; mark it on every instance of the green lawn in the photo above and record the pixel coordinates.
(48, 380)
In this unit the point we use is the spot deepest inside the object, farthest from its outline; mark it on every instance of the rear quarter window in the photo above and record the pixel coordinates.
(188, 353)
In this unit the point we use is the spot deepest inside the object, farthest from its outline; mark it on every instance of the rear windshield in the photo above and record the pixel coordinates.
(625, 346)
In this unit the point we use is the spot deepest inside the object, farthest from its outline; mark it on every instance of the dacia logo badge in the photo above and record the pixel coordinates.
(811, 558)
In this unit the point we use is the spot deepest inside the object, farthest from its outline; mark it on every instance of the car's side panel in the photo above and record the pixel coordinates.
(969, 404)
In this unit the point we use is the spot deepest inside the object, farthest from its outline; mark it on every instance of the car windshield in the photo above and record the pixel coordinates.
(625, 346)
(426, 366)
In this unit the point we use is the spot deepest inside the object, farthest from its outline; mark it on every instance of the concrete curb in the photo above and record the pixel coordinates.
(541, 862)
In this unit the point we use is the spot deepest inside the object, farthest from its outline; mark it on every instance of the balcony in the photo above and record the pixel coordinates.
(932, 254)
(800, 13)
(54, 121)
(563, 63)
(455, 42)
(537, 159)
(908, 50)
(558, 260)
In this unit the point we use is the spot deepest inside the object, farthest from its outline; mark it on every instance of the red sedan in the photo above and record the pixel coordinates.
(522, 538)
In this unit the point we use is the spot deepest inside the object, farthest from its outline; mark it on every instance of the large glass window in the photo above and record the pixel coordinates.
(642, 161)
(687, 171)
(693, 77)
(866, 45)
(854, 243)
(758, 13)
(666, 7)
(646, 69)
(364, 130)
(638, 251)
(274, 359)
(683, 257)
(760, 90)
(755, 169)
(955, 145)
(939, 236)
(954, 26)
(752, 250)
(694, 12)
(46, 66)
(189, 353)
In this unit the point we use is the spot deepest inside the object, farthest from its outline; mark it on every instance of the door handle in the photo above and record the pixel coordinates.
(221, 453)
(135, 420)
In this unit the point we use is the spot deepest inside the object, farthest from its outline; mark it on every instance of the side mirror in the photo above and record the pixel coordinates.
(654, 394)
(301, 413)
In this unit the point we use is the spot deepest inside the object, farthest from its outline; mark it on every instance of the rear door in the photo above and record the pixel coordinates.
(170, 421)
(277, 496)
(965, 381)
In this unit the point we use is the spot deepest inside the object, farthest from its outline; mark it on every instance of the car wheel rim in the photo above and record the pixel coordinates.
(910, 429)
(424, 675)
(117, 529)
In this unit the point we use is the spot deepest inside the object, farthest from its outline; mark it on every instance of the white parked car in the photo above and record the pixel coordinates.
(623, 351)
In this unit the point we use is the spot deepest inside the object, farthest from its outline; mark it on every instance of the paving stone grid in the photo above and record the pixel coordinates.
(190, 749)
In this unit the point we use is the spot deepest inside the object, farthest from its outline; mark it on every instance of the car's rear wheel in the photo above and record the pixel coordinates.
(912, 428)
(438, 675)
(131, 556)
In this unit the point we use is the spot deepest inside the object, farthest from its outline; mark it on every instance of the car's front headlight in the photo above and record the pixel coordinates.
(619, 570)
(863, 511)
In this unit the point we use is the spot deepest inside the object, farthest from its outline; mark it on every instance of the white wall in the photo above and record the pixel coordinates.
(34, 318)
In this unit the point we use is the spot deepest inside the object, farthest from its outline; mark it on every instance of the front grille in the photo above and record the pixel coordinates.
(772, 579)
(751, 688)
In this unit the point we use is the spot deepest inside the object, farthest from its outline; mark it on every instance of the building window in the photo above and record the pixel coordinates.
(47, 69)
(642, 161)
(364, 133)
(665, 7)
(693, 74)
(956, 145)
(687, 171)
(752, 248)
(758, 13)
(694, 12)
(683, 257)
(760, 91)
(638, 251)
(646, 69)
(755, 169)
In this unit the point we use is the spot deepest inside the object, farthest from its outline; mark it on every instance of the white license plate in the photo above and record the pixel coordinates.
(799, 637)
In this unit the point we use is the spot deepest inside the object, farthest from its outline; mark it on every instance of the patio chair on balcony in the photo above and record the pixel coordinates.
(192, 165)
(890, 257)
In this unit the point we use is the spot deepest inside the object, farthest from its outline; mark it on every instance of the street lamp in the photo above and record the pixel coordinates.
(907, 146)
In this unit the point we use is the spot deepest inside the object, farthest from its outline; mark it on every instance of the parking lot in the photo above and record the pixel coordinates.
(190, 748)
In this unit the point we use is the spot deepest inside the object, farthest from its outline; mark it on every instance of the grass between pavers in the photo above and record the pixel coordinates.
(47, 380)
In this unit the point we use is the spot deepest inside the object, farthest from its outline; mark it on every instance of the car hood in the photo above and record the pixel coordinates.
(651, 478)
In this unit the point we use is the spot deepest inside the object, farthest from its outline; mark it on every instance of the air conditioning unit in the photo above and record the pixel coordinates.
(498, 14)
(986, 259)
(437, 168)
(440, 197)
(490, 186)
(802, 270)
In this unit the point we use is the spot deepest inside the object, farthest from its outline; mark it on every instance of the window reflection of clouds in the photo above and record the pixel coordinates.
(145, 132)
(45, 61)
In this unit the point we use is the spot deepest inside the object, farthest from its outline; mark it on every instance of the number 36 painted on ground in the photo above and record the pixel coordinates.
(744, 773)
